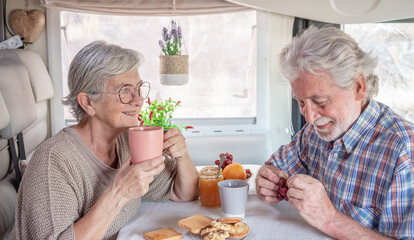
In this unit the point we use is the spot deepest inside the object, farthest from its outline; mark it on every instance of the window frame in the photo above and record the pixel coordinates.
(202, 127)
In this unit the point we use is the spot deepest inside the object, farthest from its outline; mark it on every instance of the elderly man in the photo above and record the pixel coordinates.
(350, 169)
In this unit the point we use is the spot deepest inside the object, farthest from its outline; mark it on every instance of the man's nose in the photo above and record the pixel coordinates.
(310, 113)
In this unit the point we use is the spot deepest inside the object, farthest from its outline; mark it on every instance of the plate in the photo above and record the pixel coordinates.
(249, 236)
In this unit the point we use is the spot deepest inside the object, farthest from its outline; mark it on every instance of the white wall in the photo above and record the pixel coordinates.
(280, 34)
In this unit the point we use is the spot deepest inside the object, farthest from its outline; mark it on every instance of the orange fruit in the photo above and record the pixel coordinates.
(234, 171)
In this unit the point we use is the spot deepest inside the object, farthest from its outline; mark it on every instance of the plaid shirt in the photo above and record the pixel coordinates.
(368, 173)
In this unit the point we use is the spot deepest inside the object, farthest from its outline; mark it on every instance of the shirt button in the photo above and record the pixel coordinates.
(326, 186)
(336, 155)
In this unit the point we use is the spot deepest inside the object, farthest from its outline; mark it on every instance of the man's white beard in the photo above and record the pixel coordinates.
(337, 130)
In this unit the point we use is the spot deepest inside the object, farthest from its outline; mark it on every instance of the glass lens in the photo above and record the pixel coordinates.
(126, 94)
(144, 90)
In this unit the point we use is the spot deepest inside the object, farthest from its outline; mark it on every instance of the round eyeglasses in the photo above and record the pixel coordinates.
(127, 92)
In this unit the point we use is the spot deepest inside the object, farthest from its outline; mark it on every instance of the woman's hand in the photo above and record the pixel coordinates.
(267, 183)
(132, 180)
(174, 142)
(186, 181)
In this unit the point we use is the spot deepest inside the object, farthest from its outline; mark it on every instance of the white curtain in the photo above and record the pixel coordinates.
(146, 7)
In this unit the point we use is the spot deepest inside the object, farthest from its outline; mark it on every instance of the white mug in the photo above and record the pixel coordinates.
(233, 197)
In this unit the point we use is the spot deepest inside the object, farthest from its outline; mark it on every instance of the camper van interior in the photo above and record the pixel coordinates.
(229, 94)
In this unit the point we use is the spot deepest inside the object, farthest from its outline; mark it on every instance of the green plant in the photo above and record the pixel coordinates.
(159, 113)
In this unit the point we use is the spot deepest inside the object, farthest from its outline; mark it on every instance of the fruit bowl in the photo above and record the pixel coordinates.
(231, 169)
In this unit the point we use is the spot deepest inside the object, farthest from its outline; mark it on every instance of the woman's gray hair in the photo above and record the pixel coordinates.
(329, 50)
(92, 66)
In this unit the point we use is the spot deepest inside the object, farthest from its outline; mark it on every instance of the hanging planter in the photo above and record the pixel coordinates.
(173, 64)
(174, 69)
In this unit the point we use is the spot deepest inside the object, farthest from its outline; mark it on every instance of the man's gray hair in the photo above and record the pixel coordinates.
(332, 51)
(92, 66)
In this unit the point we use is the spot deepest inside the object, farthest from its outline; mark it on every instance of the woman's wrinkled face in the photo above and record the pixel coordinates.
(332, 110)
(111, 110)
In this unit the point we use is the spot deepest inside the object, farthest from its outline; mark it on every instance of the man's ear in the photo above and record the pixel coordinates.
(360, 87)
(85, 102)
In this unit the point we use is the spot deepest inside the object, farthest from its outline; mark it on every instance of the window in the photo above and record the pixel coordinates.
(222, 51)
(393, 44)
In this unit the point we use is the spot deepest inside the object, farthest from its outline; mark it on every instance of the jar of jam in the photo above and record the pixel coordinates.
(209, 193)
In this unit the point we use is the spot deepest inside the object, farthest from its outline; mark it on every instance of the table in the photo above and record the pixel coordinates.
(279, 221)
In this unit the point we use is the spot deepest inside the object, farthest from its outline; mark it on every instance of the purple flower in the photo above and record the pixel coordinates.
(164, 33)
(173, 24)
(171, 42)
(179, 33)
(161, 43)
(173, 34)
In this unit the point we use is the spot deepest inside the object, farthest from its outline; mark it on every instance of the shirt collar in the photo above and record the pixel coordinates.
(364, 123)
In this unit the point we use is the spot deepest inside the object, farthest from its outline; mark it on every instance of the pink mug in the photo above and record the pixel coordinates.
(145, 142)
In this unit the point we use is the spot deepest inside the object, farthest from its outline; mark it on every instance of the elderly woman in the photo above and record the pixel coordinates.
(81, 184)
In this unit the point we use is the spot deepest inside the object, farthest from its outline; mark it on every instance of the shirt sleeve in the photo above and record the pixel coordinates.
(292, 158)
(397, 218)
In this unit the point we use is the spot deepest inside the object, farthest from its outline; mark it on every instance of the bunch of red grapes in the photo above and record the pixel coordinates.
(229, 160)
(282, 191)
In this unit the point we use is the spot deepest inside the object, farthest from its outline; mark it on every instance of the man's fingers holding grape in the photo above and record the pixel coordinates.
(282, 174)
(269, 172)
(296, 194)
(265, 183)
(300, 181)
(266, 192)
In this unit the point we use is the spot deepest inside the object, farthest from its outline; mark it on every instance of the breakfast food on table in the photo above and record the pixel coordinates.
(221, 228)
(230, 219)
(242, 229)
(234, 171)
(163, 234)
(217, 235)
(209, 192)
(237, 169)
(195, 223)
(282, 191)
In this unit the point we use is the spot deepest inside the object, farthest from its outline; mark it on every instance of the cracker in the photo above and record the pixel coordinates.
(163, 234)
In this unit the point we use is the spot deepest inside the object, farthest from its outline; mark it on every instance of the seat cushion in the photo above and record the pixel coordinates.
(4, 116)
(8, 196)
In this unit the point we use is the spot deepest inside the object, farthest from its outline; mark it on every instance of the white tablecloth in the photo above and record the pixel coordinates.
(279, 221)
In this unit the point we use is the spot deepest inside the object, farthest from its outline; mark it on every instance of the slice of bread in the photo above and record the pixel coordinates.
(195, 223)
(163, 234)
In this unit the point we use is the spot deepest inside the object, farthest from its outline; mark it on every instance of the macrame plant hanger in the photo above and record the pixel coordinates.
(174, 65)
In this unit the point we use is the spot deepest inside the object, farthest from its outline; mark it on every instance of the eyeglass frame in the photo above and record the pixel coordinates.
(136, 88)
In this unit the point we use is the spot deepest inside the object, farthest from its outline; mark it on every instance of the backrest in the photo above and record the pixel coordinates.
(25, 87)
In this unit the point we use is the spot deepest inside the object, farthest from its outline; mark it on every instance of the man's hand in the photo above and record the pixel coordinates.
(309, 197)
(267, 181)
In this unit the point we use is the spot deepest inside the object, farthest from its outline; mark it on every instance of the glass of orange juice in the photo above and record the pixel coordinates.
(209, 193)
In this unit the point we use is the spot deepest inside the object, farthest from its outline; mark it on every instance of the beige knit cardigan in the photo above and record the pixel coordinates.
(61, 185)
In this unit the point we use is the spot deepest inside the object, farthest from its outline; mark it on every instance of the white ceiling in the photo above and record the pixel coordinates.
(337, 11)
